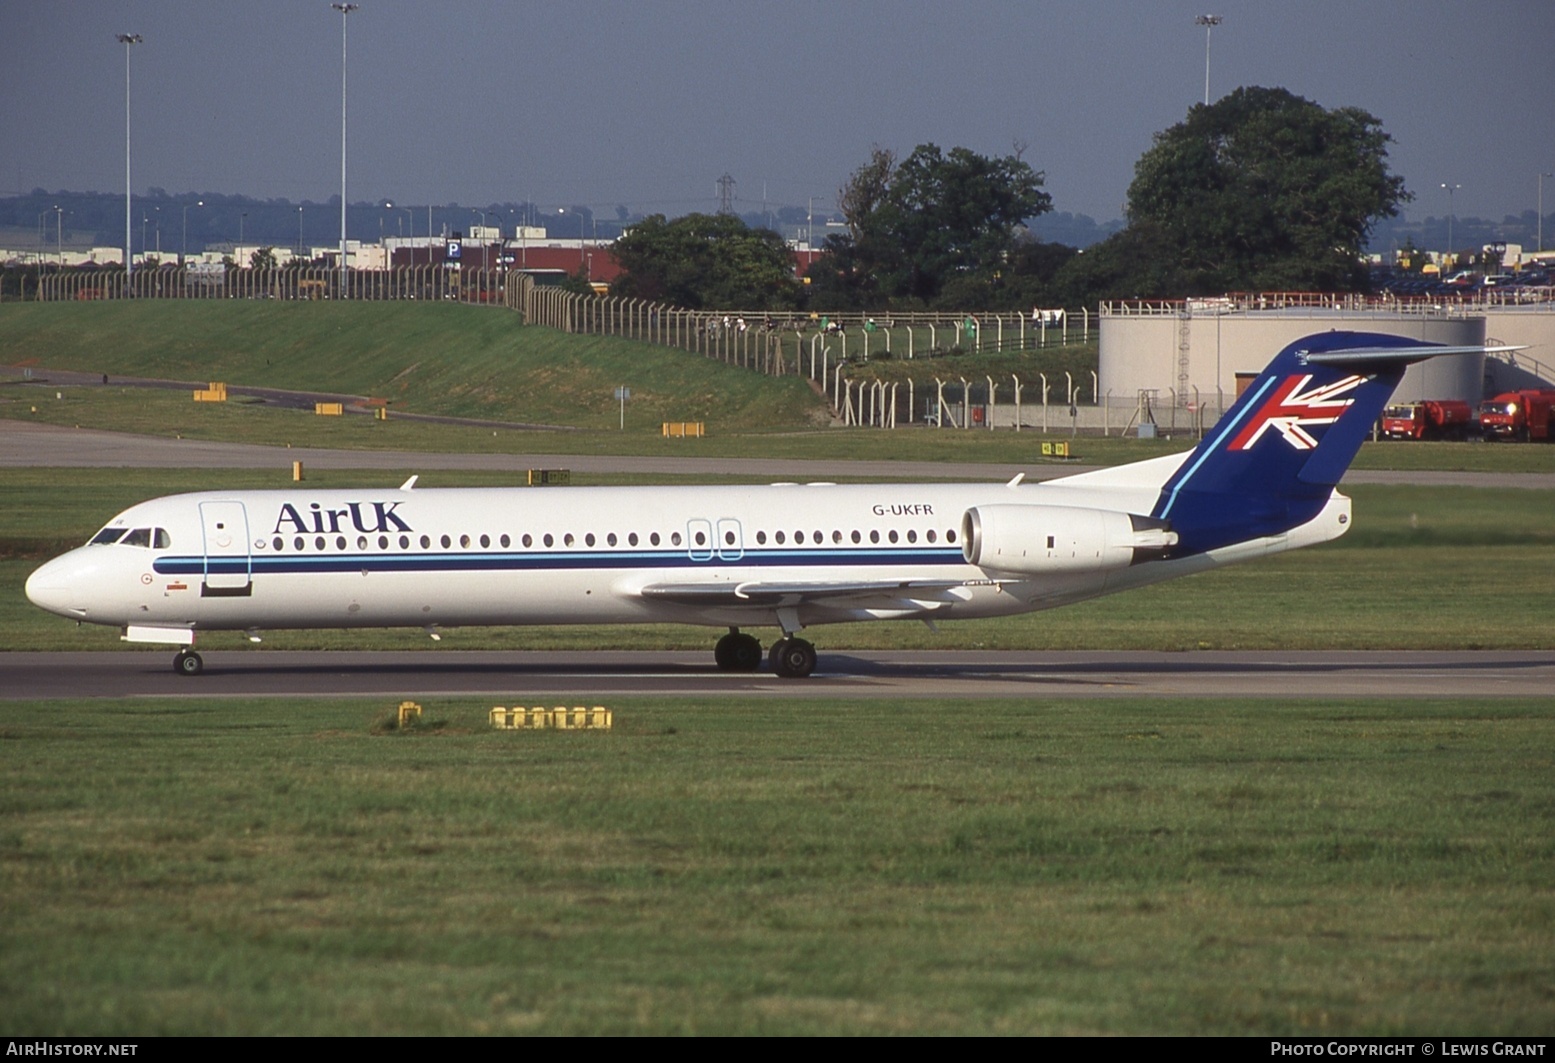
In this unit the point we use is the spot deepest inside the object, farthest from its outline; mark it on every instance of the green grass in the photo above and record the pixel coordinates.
(1048, 867)
(456, 360)
(1423, 567)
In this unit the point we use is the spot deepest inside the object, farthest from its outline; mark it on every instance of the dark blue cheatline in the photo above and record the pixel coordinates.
(266, 564)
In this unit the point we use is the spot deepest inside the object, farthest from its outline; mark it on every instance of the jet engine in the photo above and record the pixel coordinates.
(1035, 540)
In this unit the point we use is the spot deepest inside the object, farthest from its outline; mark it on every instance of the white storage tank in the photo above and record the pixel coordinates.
(1190, 354)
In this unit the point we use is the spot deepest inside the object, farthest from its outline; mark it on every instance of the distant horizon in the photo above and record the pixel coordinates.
(1428, 231)
(598, 103)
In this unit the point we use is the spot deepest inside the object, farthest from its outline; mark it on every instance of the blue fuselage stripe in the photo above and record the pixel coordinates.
(262, 564)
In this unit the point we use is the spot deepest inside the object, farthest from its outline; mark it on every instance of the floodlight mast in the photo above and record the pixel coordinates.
(127, 39)
(345, 10)
(1542, 176)
(1209, 22)
(1452, 216)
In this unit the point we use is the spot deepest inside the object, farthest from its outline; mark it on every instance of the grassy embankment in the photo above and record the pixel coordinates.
(477, 362)
(1048, 867)
(1423, 567)
(454, 360)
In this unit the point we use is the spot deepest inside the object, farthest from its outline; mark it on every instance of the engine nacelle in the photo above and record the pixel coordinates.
(1034, 540)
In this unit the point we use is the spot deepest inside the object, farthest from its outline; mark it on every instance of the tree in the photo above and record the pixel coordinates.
(1265, 190)
(916, 226)
(262, 258)
(704, 261)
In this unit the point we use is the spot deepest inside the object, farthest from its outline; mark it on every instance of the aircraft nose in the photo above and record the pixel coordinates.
(51, 587)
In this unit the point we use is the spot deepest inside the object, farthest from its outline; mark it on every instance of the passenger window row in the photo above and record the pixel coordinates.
(568, 540)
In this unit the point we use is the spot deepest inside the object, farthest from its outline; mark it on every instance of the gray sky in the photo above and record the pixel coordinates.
(646, 103)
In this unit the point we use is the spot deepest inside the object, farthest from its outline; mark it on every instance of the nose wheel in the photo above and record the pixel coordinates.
(187, 662)
(792, 658)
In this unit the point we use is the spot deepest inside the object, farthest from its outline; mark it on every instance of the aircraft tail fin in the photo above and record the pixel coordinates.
(1272, 462)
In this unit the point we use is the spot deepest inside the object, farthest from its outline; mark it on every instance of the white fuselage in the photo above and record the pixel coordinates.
(787, 554)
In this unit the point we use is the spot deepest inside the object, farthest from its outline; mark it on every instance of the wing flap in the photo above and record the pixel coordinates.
(769, 595)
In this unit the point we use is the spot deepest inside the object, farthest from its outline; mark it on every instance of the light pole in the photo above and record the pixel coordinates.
(1542, 176)
(1209, 22)
(59, 234)
(183, 252)
(299, 232)
(127, 39)
(1451, 217)
(484, 243)
(241, 218)
(345, 10)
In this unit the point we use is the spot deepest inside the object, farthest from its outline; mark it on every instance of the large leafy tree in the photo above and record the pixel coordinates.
(935, 220)
(1263, 190)
(702, 261)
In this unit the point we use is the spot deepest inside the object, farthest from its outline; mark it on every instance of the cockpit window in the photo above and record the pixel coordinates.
(107, 536)
(138, 537)
(160, 539)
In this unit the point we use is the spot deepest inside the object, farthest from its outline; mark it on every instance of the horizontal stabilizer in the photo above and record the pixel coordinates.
(1358, 356)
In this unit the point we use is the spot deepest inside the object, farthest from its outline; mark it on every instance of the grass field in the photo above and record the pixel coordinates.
(455, 360)
(1465, 568)
(1050, 867)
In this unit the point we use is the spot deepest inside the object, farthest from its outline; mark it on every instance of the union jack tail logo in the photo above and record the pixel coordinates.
(1293, 408)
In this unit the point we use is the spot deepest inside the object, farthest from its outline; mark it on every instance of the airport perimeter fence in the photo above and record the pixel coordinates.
(826, 348)
(1061, 405)
(428, 283)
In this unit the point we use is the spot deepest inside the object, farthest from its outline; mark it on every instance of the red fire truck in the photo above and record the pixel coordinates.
(1435, 419)
(1518, 415)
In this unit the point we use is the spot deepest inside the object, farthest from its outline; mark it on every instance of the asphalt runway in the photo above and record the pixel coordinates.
(26, 444)
(577, 678)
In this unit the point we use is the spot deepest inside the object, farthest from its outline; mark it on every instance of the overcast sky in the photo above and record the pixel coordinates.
(646, 103)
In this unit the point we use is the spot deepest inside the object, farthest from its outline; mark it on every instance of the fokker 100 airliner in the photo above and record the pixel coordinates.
(792, 556)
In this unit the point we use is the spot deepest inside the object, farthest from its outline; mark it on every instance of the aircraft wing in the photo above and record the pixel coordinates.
(758, 593)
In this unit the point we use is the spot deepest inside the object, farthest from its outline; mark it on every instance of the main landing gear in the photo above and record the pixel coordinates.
(791, 657)
(187, 662)
(737, 653)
